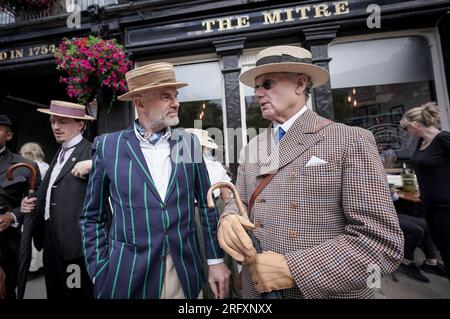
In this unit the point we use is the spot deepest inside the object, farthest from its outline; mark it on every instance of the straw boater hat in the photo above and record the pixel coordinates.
(202, 135)
(67, 109)
(285, 58)
(151, 76)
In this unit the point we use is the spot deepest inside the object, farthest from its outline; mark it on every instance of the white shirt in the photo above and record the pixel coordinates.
(287, 125)
(57, 169)
(43, 168)
(216, 172)
(158, 162)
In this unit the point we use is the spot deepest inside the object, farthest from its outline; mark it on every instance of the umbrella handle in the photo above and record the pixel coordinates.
(275, 294)
(32, 185)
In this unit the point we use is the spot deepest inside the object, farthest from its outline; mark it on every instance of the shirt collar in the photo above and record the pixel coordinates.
(141, 134)
(73, 141)
(287, 125)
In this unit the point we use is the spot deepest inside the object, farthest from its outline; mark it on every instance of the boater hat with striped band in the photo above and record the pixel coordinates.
(285, 58)
(150, 76)
(67, 109)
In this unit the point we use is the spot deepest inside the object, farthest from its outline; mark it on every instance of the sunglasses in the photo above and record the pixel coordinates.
(266, 85)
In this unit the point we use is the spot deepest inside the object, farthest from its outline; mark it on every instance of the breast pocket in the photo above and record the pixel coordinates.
(325, 169)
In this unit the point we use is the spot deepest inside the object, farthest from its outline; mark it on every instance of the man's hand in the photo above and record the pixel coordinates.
(5, 221)
(219, 279)
(27, 205)
(270, 271)
(234, 239)
(82, 169)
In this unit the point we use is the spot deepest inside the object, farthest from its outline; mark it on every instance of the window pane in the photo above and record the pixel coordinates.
(379, 109)
(375, 82)
(397, 60)
(204, 81)
(202, 99)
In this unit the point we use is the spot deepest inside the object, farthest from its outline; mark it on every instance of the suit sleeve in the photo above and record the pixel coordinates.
(372, 239)
(208, 216)
(93, 220)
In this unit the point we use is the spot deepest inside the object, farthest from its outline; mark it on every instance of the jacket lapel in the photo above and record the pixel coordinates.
(71, 161)
(134, 151)
(298, 139)
(174, 142)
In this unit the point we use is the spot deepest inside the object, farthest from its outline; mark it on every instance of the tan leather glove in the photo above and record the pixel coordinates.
(270, 271)
(234, 239)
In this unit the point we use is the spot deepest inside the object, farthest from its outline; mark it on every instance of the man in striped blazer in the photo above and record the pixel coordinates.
(324, 216)
(152, 175)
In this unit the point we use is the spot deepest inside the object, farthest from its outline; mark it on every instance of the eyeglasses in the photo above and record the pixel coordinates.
(266, 85)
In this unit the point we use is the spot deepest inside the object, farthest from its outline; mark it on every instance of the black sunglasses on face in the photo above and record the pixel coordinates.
(266, 85)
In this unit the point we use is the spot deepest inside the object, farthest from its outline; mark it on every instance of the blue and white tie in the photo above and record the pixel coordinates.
(279, 135)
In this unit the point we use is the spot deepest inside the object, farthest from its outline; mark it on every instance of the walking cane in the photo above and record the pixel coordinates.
(275, 294)
(25, 240)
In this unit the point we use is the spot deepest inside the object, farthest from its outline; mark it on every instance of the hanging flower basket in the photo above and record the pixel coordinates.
(91, 64)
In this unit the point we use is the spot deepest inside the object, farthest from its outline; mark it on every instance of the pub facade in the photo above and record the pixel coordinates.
(384, 58)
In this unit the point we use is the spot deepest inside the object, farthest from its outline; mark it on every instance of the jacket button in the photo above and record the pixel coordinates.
(293, 205)
(258, 199)
(257, 224)
(292, 233)
(292, 176)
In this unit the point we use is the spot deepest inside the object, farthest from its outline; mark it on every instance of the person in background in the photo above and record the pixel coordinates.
(417, 235)
(34, 152)
(431, 163)
(11, 217)
(217, 173)
(59, 204)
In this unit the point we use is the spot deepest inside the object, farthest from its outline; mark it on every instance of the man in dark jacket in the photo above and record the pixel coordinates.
(11, 193)
(59, 205)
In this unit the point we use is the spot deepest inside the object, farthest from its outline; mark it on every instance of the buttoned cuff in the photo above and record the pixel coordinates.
(217, 261)
(15, 224)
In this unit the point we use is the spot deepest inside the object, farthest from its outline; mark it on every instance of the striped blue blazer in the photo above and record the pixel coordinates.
(128, 260)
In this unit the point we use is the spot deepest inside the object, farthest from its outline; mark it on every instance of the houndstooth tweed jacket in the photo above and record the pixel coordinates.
(335, 222)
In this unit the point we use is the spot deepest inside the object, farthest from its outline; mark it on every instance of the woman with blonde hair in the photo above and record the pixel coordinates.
(431, 162)
(34, 152)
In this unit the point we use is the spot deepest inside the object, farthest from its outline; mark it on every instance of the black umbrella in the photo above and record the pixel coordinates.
(25, 241)
(274, 294)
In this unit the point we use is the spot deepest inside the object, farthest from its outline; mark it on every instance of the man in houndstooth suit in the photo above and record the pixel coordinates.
(325, 220)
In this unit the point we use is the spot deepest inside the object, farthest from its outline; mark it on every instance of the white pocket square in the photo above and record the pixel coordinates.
(315, 161)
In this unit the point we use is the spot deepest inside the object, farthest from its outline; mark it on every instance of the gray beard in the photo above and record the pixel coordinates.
(172, 121)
